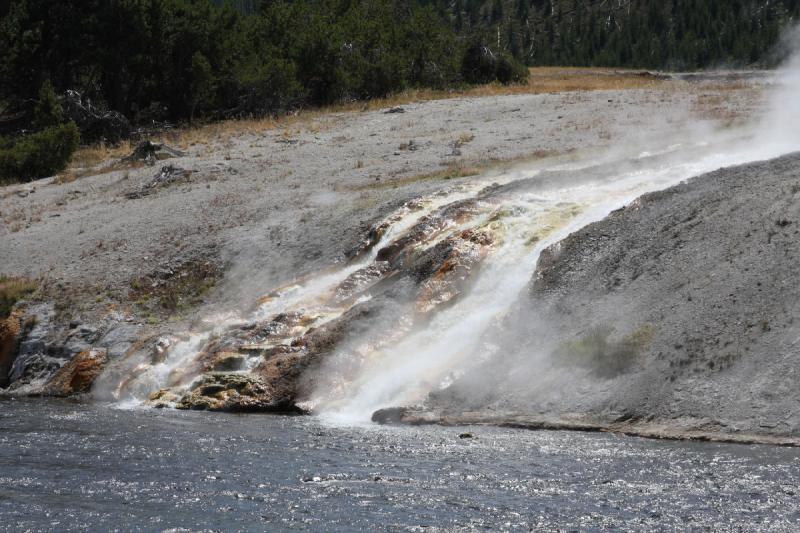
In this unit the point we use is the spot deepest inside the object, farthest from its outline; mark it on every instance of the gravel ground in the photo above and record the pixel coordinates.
(267, 207)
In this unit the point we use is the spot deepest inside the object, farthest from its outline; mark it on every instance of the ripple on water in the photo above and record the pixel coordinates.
(157, 470)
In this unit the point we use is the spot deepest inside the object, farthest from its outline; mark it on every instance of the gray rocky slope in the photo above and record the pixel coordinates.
(674, 315)
(252, 211)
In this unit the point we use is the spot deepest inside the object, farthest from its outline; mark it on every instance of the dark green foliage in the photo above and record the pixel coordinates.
(184, 59)
(47, 111)
(39, 154)
(46, 150)
(216, 59)
(482, 65)
(665, 34)
(479, 63)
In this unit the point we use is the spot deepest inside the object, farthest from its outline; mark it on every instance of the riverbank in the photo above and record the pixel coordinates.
(678, 430)
(166, 282)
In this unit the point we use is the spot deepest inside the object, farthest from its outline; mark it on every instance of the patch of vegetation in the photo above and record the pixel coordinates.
(174, 291)
(37, 155)
(44, 152)
(605, 356)
(13, 290)
(663, 34)
(186, 59)
(482, 65)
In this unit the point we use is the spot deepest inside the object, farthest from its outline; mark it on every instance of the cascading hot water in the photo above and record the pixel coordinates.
(424, 297)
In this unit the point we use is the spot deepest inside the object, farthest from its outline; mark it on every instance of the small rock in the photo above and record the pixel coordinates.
(229, 363)
(466, 436)
(390, 415)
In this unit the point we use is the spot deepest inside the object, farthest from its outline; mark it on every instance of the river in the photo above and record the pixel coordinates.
(68, 466)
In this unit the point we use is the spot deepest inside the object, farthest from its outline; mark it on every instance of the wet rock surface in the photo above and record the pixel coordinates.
(272, 364)
(39, 353)
(50, 357)
(10, 329)
(234, 392)
(279, 224)
(78, 375)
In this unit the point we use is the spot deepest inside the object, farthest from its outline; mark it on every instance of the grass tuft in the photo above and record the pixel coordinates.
(13, 290)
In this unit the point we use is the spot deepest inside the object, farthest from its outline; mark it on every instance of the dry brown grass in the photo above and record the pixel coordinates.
(560, 79)
(74, 172)
(724, 103)
(12, 290)
(91, 156)
(542, 80)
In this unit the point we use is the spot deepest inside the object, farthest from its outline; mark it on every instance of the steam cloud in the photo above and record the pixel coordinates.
(494, 347)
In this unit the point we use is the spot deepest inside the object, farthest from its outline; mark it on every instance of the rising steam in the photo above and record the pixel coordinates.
(434, 325)
(466, 335)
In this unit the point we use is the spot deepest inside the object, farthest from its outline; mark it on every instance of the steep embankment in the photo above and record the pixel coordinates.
(127, 254)
(674, 316)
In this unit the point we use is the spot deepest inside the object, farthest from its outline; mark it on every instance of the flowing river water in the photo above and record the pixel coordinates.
(76, 467)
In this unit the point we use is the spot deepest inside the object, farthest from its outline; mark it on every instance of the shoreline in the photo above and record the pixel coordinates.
(647, 430)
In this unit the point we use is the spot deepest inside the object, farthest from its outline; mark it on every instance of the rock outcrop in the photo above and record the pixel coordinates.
(39, 355)
(680, 309)
(77, 375)
(10, 329)
(233, 392)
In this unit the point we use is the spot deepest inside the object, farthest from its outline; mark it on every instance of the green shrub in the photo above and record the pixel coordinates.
(509, 70)
(47, 111)
(478, 64)
(481, 65)
(37, 155)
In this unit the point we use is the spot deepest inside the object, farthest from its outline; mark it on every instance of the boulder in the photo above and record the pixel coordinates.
(234, 392)
(390, 415)
(163, 398)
